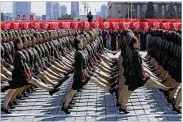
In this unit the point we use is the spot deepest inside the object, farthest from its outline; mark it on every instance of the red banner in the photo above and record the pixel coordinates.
(109, 24)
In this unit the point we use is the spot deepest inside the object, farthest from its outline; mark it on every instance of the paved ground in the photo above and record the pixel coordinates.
(92, 104)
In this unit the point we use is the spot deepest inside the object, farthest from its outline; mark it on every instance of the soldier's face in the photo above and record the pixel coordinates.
(38, 39)
(80, 45)
(41, 39)
(135, 45)
(11, 37)
(85, 42)
(25, 44)
(44, 38)
(20, 45)
(34, 41)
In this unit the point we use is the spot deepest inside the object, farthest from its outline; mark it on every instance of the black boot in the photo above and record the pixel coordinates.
(53, 91)
(160, 90)
(58, 85)
(10, 104)
(25, 94)
(5, 110)
(124, 110)
(66, 74)
(69, 107)
(115, 75)
(116, 70)
(117, 95)
(71, 71)
(65, 110)
(65, 78)
(72, 103)
(113, 65)
(170, 100)
(21, 97)
(15, 102)
(33, 88)
(76, 95)
(165, 93)
(175, 109)
(74, 99)
(5, 88)
(113, 85)
(111, 90)
(29, 90)
(118, 104)
(112, 80)
(79, 90)
(163, 81)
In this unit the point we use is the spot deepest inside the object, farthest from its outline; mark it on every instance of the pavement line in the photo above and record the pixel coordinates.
(94, 115)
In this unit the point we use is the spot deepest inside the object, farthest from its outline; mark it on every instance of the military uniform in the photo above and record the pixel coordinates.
(79, 75)
(20, 72)
(167, 51)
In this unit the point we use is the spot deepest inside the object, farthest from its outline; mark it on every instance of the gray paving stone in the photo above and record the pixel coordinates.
(137, 107)
(90, 119)
(101, 119)
(100, 110)
(59, 119)
(173, 118)
(111, 119)
(49, 119)
(82, 108)
(122, 119)
(132, 118)
(110, 112)
(110, 109)
(84, 100)
(163, 119)
(148, 111)
(142, 117)
(18, 118)
(6, 119)
(90, 104)
(80, 120)
(70, 119)
(151, 118)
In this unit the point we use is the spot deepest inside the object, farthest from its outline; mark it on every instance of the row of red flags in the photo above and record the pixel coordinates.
(137, 20)
(107, 25)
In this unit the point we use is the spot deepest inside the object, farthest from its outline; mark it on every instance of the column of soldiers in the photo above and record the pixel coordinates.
(44, 59)
(135, 71)
(164, 49)
(31, 59)
(92, 64)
